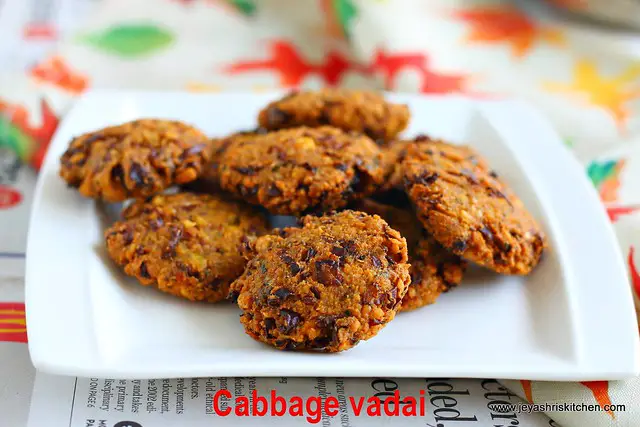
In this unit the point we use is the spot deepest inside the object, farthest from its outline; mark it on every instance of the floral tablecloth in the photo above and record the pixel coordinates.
(586, 80)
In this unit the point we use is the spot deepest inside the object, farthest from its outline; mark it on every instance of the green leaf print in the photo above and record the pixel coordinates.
(345, 11)
(599, 171)
(246, 7)
(13, 138)
(130, 40)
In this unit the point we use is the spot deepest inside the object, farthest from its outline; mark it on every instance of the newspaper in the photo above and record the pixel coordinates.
(251, 401)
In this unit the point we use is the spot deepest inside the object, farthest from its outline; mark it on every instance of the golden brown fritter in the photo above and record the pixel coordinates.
(469, 210)
(185, 244)
(134, 160)
(394, 154)
(209, 179)
(434, 270)
(302, 170)
(351, 110)
(337, 280)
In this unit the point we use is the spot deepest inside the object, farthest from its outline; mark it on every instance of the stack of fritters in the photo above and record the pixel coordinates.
(384, 224)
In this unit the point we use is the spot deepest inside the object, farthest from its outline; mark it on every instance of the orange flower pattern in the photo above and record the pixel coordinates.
(18, 132)
(506, 24)
(526, 388)
(615, 212)
(292, 68)
(570, 4)
(600, 390)
(605, 176)
(57, 72)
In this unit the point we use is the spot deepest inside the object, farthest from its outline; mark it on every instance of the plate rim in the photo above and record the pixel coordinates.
(625, 366)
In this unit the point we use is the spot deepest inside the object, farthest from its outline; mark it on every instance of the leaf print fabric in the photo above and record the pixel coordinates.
(585, 81)
(130, 40)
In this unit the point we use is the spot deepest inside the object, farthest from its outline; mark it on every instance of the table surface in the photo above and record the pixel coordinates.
(19, 52)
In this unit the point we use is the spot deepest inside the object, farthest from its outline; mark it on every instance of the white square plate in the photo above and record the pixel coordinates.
(572, 319)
